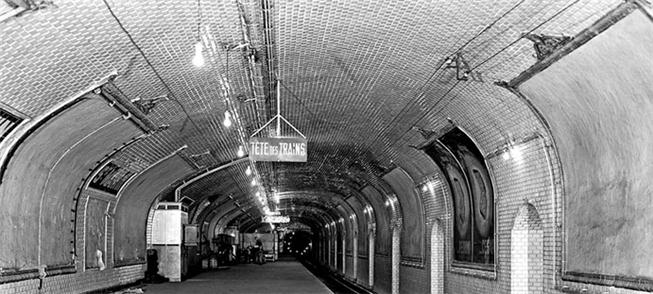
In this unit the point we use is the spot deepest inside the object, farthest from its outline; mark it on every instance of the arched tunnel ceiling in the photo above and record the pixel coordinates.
(291, 203)
(355, 77)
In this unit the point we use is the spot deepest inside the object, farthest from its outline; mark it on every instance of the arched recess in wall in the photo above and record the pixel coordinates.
(413, 233)
(134, 202)
(381, 253)
(527, 252)
(472, 191)
(437, 258)
(331, 232)
(346, 240)
(339, 245)
(66, 143)
(361, 236)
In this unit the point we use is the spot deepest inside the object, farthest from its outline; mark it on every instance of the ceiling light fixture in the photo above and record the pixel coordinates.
(248, 171)
(198, 58)
(253, 182)
(227, 119)
(240, 152)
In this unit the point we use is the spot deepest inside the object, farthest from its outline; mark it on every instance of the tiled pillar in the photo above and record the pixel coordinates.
(396, 256)
(329, 251)
(437, 258)
(335, 251)
(344, 254)
(370, 259)
(355, 255)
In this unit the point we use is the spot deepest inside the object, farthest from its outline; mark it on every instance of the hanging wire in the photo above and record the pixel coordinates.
(149, 63)
(530, 31)
(567, 28)
(475, 67)
(199, 20)
(322, 121)
(230, 106)
(440, 68)
(495, 37)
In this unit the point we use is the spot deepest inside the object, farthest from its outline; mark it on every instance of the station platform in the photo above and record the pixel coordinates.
(285, 277)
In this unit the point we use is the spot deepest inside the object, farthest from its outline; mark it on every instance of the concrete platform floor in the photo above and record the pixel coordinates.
(285, 277)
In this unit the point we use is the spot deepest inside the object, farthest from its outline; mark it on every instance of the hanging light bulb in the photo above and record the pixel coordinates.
(248, 171)
(227, 119)
(240, 152)
(198, 59)
(253, 182)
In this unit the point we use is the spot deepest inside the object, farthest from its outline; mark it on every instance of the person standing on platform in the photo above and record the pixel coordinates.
(259, 252)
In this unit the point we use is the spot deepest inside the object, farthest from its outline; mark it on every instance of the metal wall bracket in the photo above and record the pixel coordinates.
(460, 64)
(545, 45)
(463, 70)
(146, 105)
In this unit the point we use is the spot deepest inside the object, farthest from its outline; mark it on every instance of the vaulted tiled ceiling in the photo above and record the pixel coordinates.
(354, 76)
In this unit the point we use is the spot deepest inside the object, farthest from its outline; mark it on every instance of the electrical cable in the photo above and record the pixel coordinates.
(323, 120)
(483, 62)
(439, 68)
(229, 105)
(519, 39)
(149, 63)
(199, 20)
(496, 36)
(501, 62)
(565, 29)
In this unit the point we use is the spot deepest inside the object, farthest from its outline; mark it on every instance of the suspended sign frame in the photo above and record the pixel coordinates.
(286, 149)
(276, 219)
(278, 148)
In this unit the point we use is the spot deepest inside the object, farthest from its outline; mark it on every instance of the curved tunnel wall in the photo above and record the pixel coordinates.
(39, 190)
(598, 102)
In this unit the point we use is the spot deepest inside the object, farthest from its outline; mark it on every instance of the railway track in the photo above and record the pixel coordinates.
(336, 284)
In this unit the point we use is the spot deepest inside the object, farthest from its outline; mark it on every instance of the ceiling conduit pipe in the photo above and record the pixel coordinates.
(249, 54)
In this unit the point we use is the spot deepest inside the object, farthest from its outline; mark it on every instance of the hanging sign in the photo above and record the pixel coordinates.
(280, 149)
(277, 219)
